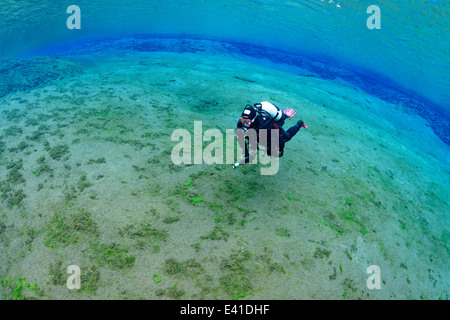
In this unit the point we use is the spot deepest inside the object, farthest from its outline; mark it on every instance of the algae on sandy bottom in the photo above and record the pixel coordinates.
(86, 175)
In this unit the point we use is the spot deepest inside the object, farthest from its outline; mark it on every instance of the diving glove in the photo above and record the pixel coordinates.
(289, 112)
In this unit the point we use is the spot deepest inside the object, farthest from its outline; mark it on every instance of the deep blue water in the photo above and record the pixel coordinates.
(409, 52)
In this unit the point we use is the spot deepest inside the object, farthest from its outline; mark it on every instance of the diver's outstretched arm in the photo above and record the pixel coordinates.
(289, 112)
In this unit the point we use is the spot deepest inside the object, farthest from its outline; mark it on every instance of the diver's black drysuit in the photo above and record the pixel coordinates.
(269, 124)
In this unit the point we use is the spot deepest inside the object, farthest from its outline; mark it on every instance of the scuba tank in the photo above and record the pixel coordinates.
(268, 112)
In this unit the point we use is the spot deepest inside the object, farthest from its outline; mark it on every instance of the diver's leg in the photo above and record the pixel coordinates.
(291, 132)
(249, 150)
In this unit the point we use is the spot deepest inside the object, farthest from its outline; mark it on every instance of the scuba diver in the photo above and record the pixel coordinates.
(264, 115)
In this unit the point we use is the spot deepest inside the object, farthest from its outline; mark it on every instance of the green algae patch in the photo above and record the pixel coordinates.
(170, 220)
(83, 183)
(216, 234)
(292, 198)
(173, 292)
(58, 151)
(351, 217)
(14, 175)
(144, 234)
(157, 279)
(114, 256)
(12, 131)
(186, 268)
(67, 228)
(43, 167)
(321, 253)
(57, 275)
(20, 289)
(196, 199)
(9, 187)
(347, 217)
(236, 279)
(283, 232)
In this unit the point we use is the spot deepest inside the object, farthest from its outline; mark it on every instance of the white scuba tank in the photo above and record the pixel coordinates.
(271, 109)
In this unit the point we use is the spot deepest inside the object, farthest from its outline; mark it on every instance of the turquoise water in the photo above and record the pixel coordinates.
(87, 178)
(410, 51)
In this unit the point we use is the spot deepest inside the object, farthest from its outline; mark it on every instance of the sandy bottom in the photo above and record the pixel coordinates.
(87, 179)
